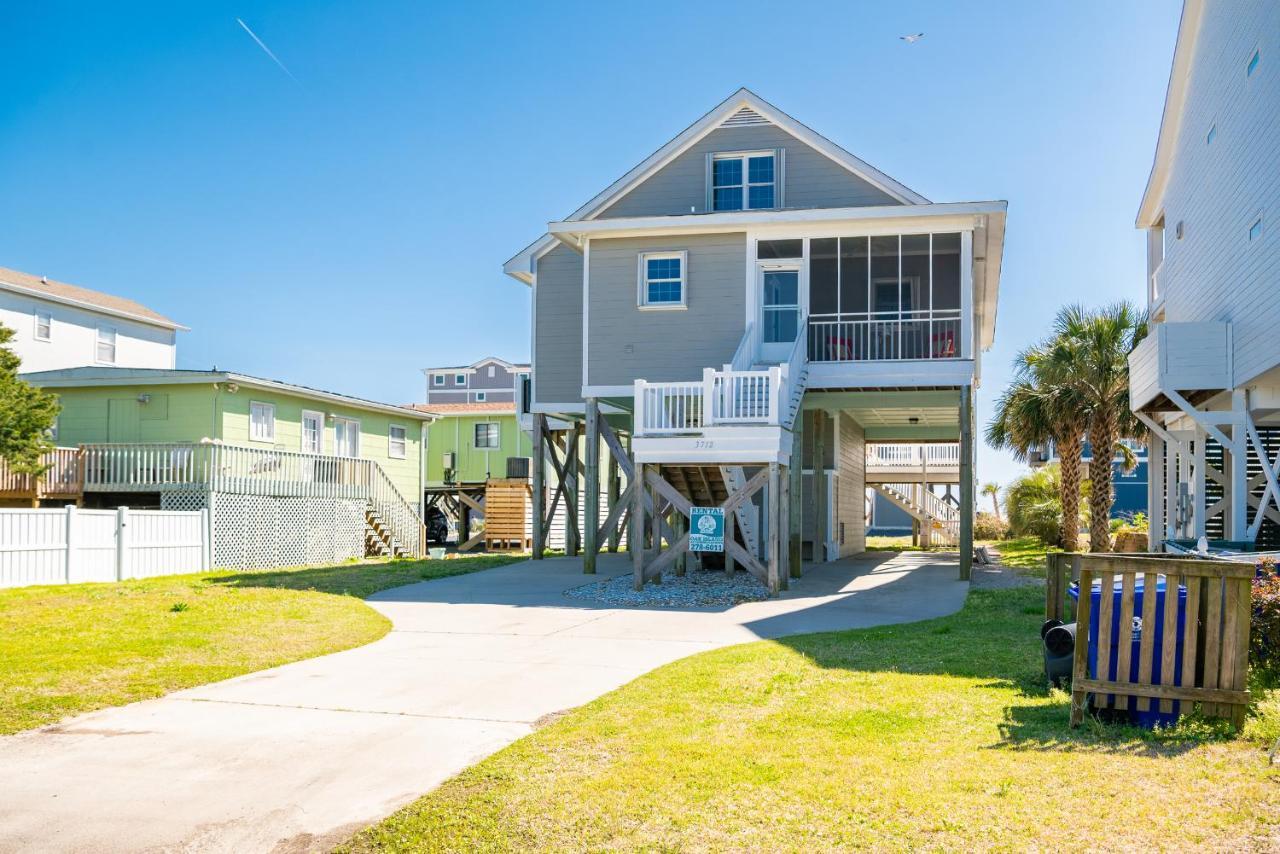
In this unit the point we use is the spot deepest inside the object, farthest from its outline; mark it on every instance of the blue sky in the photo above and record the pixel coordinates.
(346, 229)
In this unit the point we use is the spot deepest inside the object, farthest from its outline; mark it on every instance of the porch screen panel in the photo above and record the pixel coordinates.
(945, 334)
(913, 298)
(882, 331)
(824, 299)
(853, 341)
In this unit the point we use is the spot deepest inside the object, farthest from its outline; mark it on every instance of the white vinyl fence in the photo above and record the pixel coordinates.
(66, 546)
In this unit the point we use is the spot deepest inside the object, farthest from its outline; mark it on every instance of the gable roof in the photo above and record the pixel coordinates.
(742, 107)
(461, 369)
(94, 376)
(61, 292)
(1175, 100)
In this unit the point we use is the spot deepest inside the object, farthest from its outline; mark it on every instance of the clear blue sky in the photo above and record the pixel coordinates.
(343, 230)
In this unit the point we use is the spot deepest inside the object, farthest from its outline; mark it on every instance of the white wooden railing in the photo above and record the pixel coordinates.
(868, 336)
(913, 456)
(149, 467)
(723, 397)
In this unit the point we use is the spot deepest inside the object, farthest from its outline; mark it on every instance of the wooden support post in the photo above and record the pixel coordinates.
(539, 485)
(730, 519)
(635, 536)
(572, 533)
(655, 526)
(795, 529)
(771, 506)
(782, 519)
(615, 492)
(679, 524)
(591, 485)
(966, 482)
(819, 465)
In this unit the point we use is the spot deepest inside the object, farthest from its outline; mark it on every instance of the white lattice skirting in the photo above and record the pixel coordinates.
(257, 531)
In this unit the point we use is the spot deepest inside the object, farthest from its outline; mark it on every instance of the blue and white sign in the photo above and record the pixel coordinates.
(706, 529)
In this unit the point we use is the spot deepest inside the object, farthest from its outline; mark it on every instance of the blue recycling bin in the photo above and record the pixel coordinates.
(1154, 717)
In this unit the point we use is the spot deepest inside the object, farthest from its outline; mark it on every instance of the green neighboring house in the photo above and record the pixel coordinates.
(129, 406)
(471, 442)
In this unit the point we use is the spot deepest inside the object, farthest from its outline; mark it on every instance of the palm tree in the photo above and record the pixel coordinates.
(993, 489)
(1039, 408)
(1090, 354)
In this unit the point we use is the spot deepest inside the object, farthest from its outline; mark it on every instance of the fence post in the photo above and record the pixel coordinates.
(206, 540)
(70, 541)
(122, 547)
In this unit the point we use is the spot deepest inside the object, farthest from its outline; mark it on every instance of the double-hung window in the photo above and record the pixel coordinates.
(663, 280)
(262, 421)
(486, 435)
(396, 442)
(106, 345)
(44, 325)
(744, 181)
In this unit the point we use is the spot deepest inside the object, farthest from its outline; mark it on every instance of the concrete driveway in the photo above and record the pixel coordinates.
(298, 757)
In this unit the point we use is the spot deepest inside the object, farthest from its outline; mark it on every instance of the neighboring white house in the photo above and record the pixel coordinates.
(64, 326)
(1207, 379)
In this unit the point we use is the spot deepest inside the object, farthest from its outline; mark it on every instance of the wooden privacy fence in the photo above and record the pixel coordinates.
(1207, 665)
(69, 545)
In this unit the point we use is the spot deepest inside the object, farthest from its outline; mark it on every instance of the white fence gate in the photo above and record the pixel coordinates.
(70, 545)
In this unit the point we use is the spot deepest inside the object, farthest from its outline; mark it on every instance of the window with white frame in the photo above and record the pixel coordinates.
(262, 421)
(44, 325)
(346, 437)
(663, 281)
(744, 181)
(459, 379)
(396, 444)
(486, 435)
(438, 379)
(493, 370)
(480, 397)
(106, 345)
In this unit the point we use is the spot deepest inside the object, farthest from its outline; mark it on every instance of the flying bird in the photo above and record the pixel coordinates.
(267, 50)
(911, 39)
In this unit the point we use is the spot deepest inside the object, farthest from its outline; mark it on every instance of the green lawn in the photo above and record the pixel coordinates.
(71, 649)
(937, 735)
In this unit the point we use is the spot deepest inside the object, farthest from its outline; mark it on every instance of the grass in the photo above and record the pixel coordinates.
(940, 735)
(71, 649)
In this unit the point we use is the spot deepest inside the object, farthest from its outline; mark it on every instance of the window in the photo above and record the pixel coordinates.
(312, 432)
(438, 379)
(1255, 230)
(487, 435)
(480, 397)
(662, 282)
(106, 351)
(53, 430)
(459, 379)
(743, 181)
(770, 249)
(492, 371)
(1211, 135)
(262, 422)
(346, 437)
(396, 442)
(1253, 64)
(44, 325)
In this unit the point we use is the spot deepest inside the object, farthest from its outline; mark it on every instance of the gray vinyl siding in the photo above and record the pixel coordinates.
(1218, 190)
(627, 343)
(851, 488)
(557, 355)
(811, 179)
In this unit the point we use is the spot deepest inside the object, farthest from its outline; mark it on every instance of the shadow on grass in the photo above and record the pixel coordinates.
(363, 579)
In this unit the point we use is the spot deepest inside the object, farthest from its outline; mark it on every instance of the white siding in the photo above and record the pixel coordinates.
(1215, 272)
(73, 338)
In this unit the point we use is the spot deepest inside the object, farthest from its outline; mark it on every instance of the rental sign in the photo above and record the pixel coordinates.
(706, 529)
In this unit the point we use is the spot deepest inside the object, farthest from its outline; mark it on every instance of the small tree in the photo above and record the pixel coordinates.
(992, 489)
(26, 414)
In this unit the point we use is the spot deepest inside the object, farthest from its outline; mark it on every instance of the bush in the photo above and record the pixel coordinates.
(1130, 523)
(987, 527)
(1264, 644)
(1034, 505)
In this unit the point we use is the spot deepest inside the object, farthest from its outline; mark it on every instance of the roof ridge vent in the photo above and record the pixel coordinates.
(744, 118)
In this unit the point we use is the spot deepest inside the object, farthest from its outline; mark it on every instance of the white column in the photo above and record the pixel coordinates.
(1198, 489)
(1155, 491)
(122, 545)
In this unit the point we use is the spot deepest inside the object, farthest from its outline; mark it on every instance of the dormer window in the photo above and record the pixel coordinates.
(744, 181)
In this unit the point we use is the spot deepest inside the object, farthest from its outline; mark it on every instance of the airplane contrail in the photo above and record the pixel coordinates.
(267, 50)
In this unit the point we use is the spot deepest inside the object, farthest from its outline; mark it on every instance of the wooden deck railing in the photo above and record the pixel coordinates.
(1209, 665)
(62, 477)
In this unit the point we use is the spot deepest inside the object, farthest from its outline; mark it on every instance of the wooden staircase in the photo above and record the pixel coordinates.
(939, 520)
(379, 541)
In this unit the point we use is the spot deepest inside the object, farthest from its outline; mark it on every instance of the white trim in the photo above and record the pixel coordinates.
(270, 409)
(743, 157)
(460, 379)
(586, 309)
(480, 397)
(302, 430)
(642, 287)
(497, 426)
(114, 344)
(93, 307)
(437, 379)
(404, 442)
(608, 391)
(35, 332)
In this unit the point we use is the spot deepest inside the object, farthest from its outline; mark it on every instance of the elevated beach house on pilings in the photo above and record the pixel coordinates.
(739, 318)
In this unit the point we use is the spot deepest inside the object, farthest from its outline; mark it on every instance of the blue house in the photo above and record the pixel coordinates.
(1130, 487)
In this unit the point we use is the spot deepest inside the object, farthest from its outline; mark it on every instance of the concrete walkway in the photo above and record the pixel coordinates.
(298, 757)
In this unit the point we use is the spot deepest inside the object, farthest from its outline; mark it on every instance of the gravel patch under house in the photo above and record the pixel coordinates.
(695, 589)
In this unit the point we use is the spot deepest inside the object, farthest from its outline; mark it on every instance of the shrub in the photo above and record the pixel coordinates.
(1264, 643)
(987, 527)
(1130, 523)
(1034, 505)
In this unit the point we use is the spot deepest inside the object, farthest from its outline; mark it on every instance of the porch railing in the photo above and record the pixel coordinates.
(61, 477)
(869, 336)
(722, 397)
(151, 467)
(913, 456)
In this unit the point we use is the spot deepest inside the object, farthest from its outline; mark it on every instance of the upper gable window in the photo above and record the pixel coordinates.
(744, 181)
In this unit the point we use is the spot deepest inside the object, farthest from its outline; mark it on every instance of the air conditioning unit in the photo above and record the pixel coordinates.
(450, 460)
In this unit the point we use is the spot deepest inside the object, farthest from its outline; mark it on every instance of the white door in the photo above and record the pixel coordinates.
(346, 437)
(312, 432)
(780, 295)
